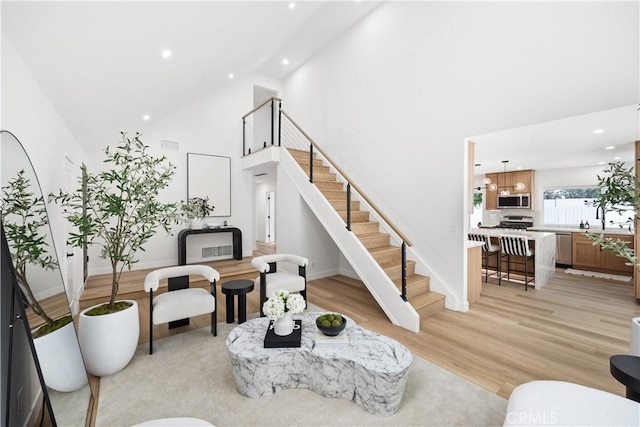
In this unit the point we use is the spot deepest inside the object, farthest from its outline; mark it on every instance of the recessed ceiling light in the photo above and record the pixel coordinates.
(146, 117)
(166, 54)
(616, 158)
(597, 131)
(519, 168)
(231, 76)
(610, 147)
(601, 163)
(285, 61)
(292, 5)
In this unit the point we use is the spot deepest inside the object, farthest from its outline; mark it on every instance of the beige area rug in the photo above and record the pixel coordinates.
(189, 375)
(599, 275)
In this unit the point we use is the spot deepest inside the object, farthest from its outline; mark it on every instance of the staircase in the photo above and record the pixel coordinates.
(377, 243)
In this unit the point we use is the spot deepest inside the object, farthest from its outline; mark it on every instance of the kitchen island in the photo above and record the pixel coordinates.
(544, 245)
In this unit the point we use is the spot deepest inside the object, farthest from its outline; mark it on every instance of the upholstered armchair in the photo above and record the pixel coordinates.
(271, 279)
(181, 303)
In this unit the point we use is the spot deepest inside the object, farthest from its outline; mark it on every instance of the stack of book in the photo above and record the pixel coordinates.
(340, 339)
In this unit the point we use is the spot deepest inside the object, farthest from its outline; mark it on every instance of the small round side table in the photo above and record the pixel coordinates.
(240, 288)
(626, 369)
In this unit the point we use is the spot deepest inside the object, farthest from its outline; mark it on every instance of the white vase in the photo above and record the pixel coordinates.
(284, 325)
(109, 341)
(196, 224)
(60, 359)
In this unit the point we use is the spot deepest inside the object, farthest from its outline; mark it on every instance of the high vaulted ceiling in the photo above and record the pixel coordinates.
(100, 63)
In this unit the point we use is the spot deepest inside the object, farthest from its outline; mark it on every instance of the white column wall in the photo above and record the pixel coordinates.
(393, 99)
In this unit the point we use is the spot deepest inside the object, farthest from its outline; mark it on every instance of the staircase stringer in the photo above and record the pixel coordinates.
(384, 291)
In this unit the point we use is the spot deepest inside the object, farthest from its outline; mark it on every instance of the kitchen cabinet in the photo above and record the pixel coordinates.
(586, 255)
(508, 180)
(491, 197)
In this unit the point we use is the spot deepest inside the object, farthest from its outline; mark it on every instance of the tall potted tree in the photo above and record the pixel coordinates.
(25, 219)
(620, 193)
(118, 210)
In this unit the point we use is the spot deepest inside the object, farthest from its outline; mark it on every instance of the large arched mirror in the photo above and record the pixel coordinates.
(41, 296)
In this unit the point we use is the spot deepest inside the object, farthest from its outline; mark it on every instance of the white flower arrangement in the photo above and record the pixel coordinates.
(281, 302)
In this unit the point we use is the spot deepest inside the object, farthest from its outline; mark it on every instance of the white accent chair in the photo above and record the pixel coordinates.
(559, 403)
(270, 279)
(181, 303)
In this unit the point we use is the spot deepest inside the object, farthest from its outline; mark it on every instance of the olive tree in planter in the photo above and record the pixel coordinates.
(118, 210)
(24, 219)
(619, 193)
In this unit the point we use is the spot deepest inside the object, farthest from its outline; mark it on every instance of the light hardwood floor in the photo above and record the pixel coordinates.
(565, 331)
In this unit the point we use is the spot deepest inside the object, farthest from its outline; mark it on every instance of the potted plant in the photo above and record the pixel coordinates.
(24, 218)
(620, 192)
(118, 210)
(196, 209)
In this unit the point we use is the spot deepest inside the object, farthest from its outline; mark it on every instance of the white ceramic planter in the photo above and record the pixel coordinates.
(196, 224)
(283, 325)
(108, 342)
(60, 360)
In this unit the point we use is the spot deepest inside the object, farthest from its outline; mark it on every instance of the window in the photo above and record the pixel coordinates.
(570, 206)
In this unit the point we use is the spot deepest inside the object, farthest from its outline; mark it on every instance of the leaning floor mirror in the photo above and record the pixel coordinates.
(39, 341)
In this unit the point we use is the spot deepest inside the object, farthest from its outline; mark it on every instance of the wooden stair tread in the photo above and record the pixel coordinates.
(380, 249)
(412, 280)
(425, 299)
(395, 264)
(371, 235)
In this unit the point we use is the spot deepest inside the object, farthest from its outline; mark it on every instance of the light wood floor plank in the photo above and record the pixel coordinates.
(565, 331)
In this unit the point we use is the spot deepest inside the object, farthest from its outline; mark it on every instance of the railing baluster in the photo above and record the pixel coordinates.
(279, 123)
(348, 206)
(244, 150)
(311, 164)
(272, 119)
(404, 271)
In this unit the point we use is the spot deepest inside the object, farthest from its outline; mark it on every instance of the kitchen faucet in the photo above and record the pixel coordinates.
(597, 215)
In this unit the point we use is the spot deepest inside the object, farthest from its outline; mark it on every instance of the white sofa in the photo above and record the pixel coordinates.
(558, 403)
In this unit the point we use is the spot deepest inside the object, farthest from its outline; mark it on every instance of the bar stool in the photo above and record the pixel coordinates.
(519, 246)
(488, 249)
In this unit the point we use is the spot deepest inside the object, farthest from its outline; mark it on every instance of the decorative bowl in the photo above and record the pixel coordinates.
(331, 331)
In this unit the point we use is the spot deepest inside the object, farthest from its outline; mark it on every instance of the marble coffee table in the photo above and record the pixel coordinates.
(371, 370)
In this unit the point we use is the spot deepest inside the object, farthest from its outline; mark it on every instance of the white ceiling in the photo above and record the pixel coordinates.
(563, 143)
(100, 64)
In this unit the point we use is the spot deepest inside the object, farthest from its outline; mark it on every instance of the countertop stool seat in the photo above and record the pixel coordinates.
(488, 249)
(516, 245)
(240, 288)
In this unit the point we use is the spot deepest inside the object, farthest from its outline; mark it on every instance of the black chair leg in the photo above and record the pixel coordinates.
(151, 322)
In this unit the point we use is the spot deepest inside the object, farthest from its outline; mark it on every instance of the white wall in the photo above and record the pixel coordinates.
(212, 125)
(298, 231)
(393, 99)
(30, 116)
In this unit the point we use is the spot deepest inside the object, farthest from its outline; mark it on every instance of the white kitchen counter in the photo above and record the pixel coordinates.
(473, 244)
(544, 247)
(596, 229)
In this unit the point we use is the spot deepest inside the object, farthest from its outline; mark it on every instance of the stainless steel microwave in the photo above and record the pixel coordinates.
(514, 201)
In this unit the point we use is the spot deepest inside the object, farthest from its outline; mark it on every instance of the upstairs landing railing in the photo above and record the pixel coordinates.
(282, 125)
